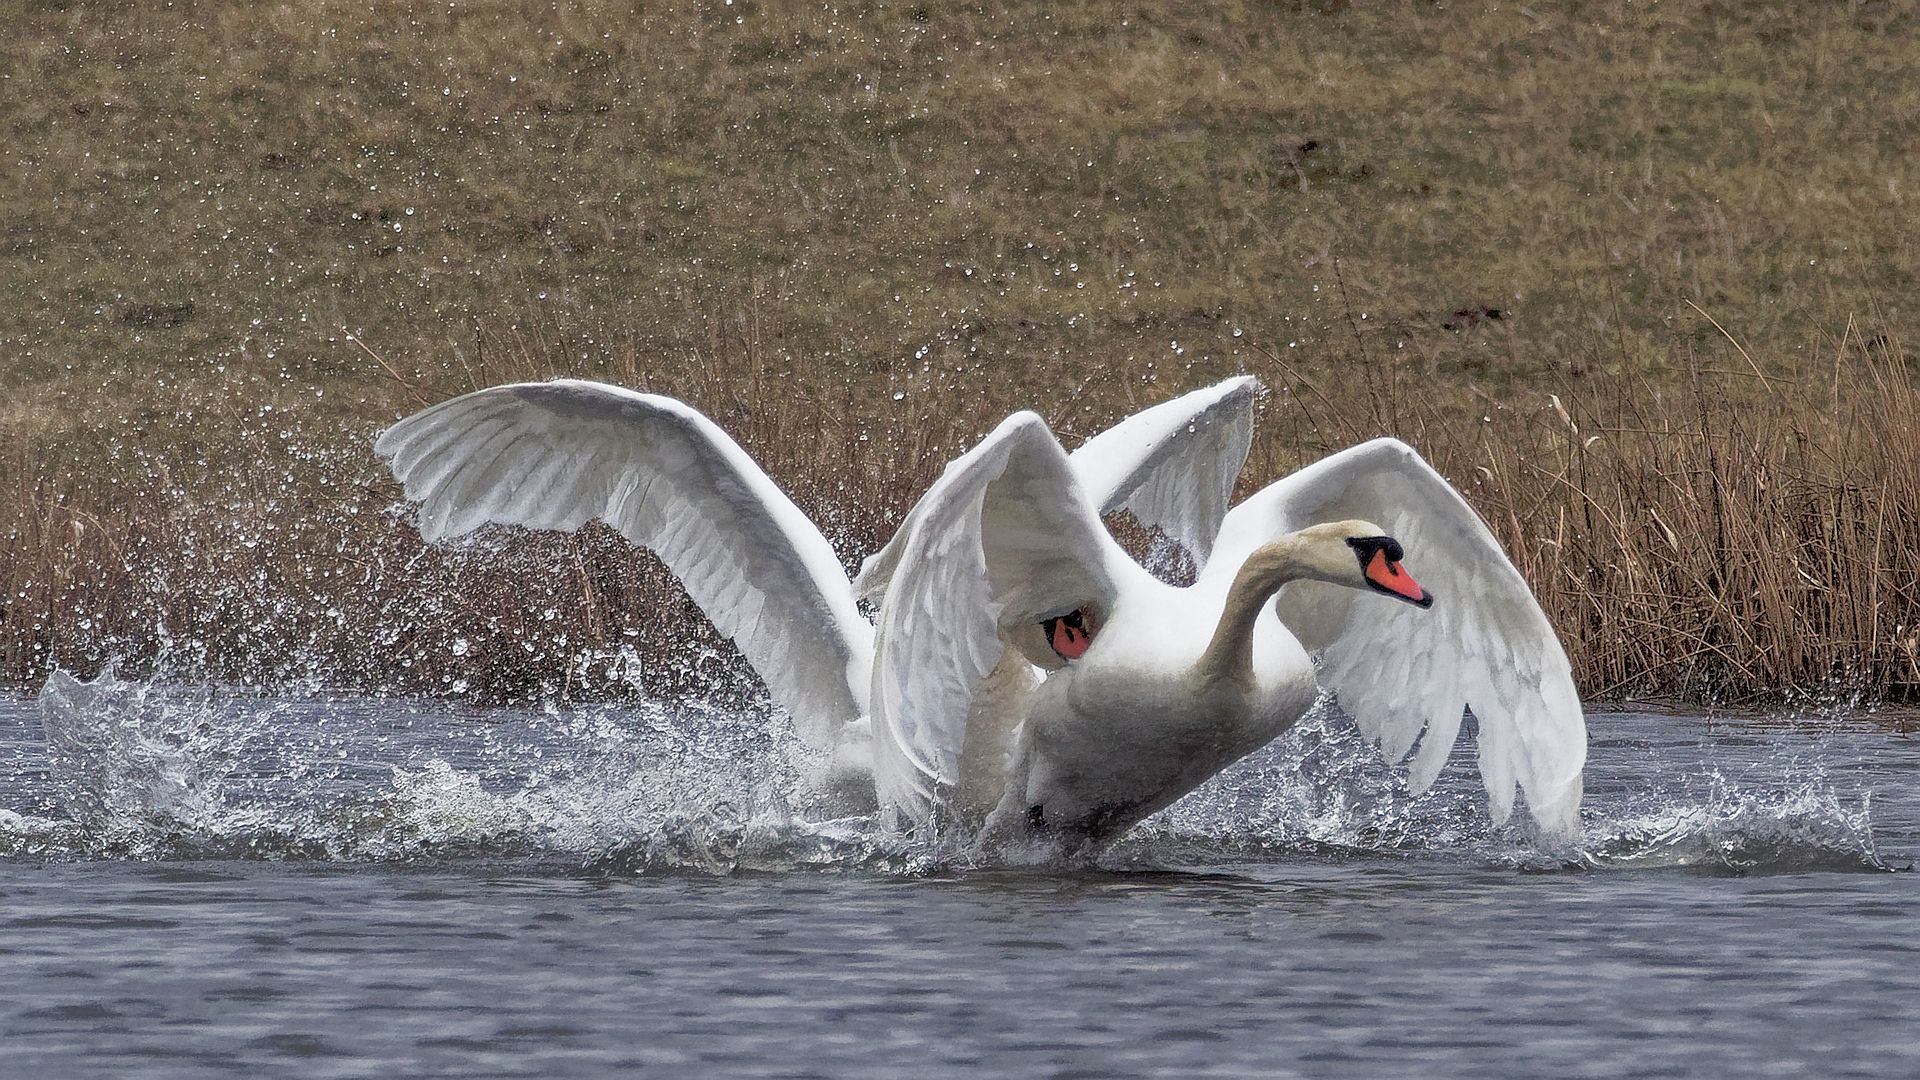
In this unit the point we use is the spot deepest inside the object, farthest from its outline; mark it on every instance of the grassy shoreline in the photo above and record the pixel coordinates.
(236, 244)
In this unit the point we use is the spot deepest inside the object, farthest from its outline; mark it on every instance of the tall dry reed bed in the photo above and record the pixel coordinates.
(1703, 545)
(1733, 537)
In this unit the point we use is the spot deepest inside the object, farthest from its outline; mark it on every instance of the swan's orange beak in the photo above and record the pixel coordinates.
(1069, 641)
(1070, 635)
(1390, 577)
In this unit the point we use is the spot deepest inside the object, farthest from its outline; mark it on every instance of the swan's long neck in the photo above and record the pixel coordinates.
(1229, 656)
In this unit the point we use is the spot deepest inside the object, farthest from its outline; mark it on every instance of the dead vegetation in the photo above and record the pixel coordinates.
(1705, 542)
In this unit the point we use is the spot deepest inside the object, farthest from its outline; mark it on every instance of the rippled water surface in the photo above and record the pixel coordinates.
(195, 882)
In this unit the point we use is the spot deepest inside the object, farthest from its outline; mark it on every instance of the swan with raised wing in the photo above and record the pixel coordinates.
(1023, 673)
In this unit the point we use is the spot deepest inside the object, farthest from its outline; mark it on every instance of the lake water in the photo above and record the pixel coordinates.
(195, 882)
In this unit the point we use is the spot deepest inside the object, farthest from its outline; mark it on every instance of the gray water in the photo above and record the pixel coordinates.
(198, 882)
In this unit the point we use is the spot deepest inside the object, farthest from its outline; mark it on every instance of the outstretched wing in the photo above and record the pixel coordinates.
(1004, 537)
(1399, 670)
(557, 455)
(1174, 465)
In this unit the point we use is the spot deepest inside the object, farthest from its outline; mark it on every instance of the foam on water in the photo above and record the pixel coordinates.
(148, 770)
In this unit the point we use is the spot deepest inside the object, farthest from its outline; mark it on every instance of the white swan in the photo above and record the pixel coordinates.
(1023, 671)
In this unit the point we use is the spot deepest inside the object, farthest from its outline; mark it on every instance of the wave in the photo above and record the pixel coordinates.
(147, 770)
(1807, 825)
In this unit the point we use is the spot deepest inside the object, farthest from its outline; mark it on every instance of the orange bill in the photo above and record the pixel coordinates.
(1069, 641)
(1392, 577)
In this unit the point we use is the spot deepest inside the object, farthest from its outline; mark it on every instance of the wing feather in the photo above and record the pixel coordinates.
(1405, 674)
(1173, 465)
(1004, 534)
(557, 455)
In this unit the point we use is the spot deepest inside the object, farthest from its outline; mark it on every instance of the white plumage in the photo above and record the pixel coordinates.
(1022, 671)
(560, 454)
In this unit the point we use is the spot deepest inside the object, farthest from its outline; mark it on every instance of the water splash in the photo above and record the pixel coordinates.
(130, 760)
(1730, 827)
(139, 769)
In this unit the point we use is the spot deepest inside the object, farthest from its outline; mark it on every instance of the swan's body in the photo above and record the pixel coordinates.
(1022, 671)
(1133, 726)
(1179, 684)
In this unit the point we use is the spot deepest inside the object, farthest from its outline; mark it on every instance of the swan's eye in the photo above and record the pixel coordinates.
(1366, 546)
(1069, 635)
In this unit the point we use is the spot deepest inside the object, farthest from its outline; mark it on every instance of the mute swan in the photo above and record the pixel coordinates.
(1023, 673)
(1154, 688)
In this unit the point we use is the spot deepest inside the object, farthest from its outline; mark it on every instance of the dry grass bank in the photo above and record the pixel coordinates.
(1406, 217)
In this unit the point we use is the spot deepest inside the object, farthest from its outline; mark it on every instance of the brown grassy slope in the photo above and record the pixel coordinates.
(223, 185)
(1425, 213)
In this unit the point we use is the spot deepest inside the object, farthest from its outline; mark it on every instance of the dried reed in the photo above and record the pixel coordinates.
(1720, 542)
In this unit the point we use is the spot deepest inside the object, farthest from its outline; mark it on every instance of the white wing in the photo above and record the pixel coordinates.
(1013, 503)
(1397, 669)
(1174, 465)
(559, 454)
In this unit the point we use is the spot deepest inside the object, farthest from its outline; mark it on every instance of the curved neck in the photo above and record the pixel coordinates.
(1229, 656)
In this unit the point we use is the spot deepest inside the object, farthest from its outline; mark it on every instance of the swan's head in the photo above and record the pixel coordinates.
(1357, 554)
(1057, 638)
